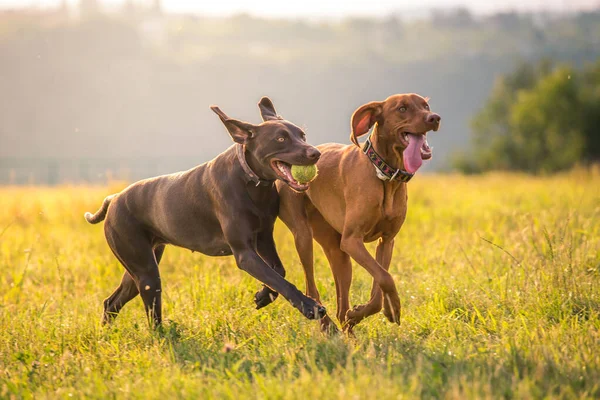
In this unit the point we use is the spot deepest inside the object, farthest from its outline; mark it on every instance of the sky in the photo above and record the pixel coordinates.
(331, 8)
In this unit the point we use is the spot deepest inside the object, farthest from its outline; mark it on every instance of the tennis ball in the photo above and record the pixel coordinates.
(304, 173)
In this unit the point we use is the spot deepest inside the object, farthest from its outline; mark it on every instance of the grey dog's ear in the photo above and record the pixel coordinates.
(239, 131)
(267, 109)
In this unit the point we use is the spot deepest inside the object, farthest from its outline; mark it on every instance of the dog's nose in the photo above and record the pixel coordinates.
(313, 154)
(433, 118)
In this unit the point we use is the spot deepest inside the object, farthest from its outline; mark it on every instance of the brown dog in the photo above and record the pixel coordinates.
(360, 195)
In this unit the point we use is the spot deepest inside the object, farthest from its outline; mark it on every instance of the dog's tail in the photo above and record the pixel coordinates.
(101, 213)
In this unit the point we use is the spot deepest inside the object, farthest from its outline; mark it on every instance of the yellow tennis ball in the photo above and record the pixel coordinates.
(304, 173)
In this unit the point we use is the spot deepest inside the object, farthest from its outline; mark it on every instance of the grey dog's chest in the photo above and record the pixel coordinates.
(254, 212)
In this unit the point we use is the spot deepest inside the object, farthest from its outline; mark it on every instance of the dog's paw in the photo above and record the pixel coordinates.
(355, 315)
(311, 309)
(264, 297)
(348, 328)
(392, 308)
(328, 326)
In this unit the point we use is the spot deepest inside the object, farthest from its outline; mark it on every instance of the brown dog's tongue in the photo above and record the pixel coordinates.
(412, 154)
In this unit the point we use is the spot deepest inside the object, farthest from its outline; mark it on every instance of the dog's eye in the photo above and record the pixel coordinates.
(403, 109)
(427, 107)
(281, 139)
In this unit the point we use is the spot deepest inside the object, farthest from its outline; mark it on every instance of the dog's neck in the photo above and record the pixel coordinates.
(253, 168)
(387, 148)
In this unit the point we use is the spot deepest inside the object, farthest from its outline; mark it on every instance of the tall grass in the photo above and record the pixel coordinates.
(499, 277)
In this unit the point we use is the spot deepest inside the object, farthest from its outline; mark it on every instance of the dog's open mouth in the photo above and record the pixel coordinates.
(416, 149)
(284, 172)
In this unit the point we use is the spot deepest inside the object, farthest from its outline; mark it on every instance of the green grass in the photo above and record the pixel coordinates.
(499, 277)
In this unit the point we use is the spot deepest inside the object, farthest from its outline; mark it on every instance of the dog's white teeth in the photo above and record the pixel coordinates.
(285, 171)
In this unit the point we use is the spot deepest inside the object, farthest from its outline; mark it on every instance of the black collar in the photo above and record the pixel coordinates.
(240, 151)
(383, 170)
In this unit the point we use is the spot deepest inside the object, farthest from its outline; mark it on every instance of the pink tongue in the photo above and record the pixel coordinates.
(412, 154)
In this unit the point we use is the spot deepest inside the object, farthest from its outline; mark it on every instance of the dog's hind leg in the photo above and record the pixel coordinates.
(293, 212)
(132, 247)
(158, 252)
(341, 268)
(126, 291)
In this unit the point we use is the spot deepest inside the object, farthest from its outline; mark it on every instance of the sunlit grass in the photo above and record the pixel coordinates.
(499, 278)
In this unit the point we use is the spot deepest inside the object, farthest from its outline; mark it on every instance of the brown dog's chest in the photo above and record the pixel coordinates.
(392, 212)
(385, 228)
(395, 201)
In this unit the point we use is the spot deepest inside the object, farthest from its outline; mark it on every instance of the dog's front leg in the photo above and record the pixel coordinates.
(248, 260)
(385, 247)
(354, 246)
(265, 246)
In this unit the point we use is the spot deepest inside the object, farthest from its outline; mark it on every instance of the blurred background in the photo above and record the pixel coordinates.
(96, 90)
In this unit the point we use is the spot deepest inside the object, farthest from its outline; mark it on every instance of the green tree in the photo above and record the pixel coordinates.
(590, 111)
(537, 119)
(493, 148)
(544, 122)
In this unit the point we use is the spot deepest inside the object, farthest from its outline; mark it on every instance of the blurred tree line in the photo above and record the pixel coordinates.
(130, 89)
(539, 118)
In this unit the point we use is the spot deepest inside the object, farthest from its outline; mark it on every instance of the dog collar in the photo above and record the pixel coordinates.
(252, 177)
(382, 169)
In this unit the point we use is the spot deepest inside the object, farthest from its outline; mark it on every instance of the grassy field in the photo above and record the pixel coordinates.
(499, 276)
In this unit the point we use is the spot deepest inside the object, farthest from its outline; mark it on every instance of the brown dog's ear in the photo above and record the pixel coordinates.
(267, 109)
(364, 118)
(239, 131)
